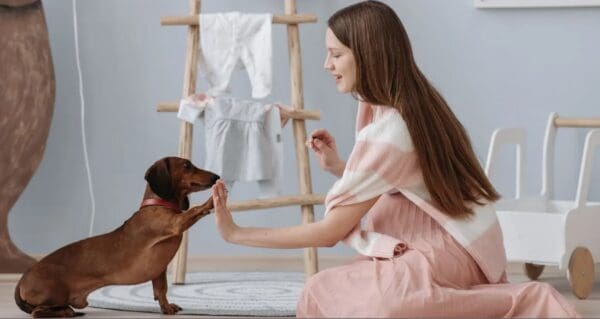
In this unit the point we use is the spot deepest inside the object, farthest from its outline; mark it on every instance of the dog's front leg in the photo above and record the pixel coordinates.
(159, 286)
(191, 216)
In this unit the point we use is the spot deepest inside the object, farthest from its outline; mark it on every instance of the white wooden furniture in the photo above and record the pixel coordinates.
(540, 230)
(534, 3)
(305, 199)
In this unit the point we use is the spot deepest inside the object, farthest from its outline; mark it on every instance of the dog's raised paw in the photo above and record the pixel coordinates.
(210, 204)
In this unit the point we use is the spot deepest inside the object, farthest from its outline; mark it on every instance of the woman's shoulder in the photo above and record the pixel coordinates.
(387, 126)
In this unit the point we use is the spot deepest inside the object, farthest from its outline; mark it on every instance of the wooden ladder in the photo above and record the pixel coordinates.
(306, 199)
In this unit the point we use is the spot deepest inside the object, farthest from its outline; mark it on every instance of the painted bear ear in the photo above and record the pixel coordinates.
(158, 177)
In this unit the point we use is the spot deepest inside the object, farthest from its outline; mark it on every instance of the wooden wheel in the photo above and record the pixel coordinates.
(581, 272)
(533, 271)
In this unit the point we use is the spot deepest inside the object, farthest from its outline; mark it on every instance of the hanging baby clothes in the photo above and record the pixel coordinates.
(227, 38)
(192, 106)
(243, 140)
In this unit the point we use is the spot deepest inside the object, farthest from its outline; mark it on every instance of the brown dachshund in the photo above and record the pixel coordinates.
(138, 251)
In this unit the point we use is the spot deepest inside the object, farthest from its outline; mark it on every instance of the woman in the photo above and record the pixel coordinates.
(432, 245)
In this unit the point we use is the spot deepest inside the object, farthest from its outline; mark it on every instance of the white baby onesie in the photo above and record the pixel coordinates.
(227, 38)
(243, 143)
(243, 139)
(191, 107)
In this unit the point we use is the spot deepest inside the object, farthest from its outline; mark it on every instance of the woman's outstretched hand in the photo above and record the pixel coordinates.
(323, 144)
(227, 227)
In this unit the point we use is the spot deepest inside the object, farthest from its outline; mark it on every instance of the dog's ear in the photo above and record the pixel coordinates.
(186, 204)
(158, 177)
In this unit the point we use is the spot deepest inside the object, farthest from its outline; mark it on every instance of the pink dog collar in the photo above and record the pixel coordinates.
(159, 202)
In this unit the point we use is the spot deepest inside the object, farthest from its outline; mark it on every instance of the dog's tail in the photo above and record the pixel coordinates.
(23, 305)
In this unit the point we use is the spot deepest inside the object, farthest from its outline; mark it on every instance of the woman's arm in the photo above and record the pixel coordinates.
(338, 170)
(325, 233)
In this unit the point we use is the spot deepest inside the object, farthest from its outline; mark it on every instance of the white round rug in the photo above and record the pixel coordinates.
(213, 293)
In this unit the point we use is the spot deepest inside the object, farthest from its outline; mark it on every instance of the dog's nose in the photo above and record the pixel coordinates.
(215, 178)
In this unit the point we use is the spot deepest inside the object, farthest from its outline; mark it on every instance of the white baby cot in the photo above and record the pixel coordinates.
(540, 230)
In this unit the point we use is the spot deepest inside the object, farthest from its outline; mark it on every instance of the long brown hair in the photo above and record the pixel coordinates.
(387, 74)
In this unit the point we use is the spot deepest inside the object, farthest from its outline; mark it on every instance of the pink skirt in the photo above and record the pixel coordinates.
(435, 277)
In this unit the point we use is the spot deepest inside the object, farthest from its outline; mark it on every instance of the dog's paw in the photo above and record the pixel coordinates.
(206, 213)
(209, 204)
(170, 309)
(199, 211)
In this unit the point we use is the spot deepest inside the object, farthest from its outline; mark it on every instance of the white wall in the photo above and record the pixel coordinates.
(496, 68)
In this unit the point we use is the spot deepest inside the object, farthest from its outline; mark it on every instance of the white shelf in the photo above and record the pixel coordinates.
(534, 3)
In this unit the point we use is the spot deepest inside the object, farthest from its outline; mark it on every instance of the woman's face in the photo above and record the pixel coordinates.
(340, 63)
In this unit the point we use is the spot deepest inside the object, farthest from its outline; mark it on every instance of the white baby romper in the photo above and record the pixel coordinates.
(227, 38)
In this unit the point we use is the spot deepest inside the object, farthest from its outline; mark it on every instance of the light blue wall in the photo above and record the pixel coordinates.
(496, 68)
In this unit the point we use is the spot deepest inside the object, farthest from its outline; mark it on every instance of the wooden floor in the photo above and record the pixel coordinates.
(587, 308)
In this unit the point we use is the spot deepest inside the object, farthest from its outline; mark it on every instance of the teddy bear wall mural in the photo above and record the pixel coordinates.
(27, 92)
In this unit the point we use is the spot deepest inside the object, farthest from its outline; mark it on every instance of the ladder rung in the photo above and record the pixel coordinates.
(255, 204)
(277, 19)
(576, 122)
(297, 114)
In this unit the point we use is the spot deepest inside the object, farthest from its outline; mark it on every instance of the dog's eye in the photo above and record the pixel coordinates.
(187, 165)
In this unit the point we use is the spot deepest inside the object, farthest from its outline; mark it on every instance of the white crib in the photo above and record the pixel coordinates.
(541, 231)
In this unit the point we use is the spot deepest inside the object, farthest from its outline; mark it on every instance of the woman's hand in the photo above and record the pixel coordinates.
(323, 144)
(227, 227)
